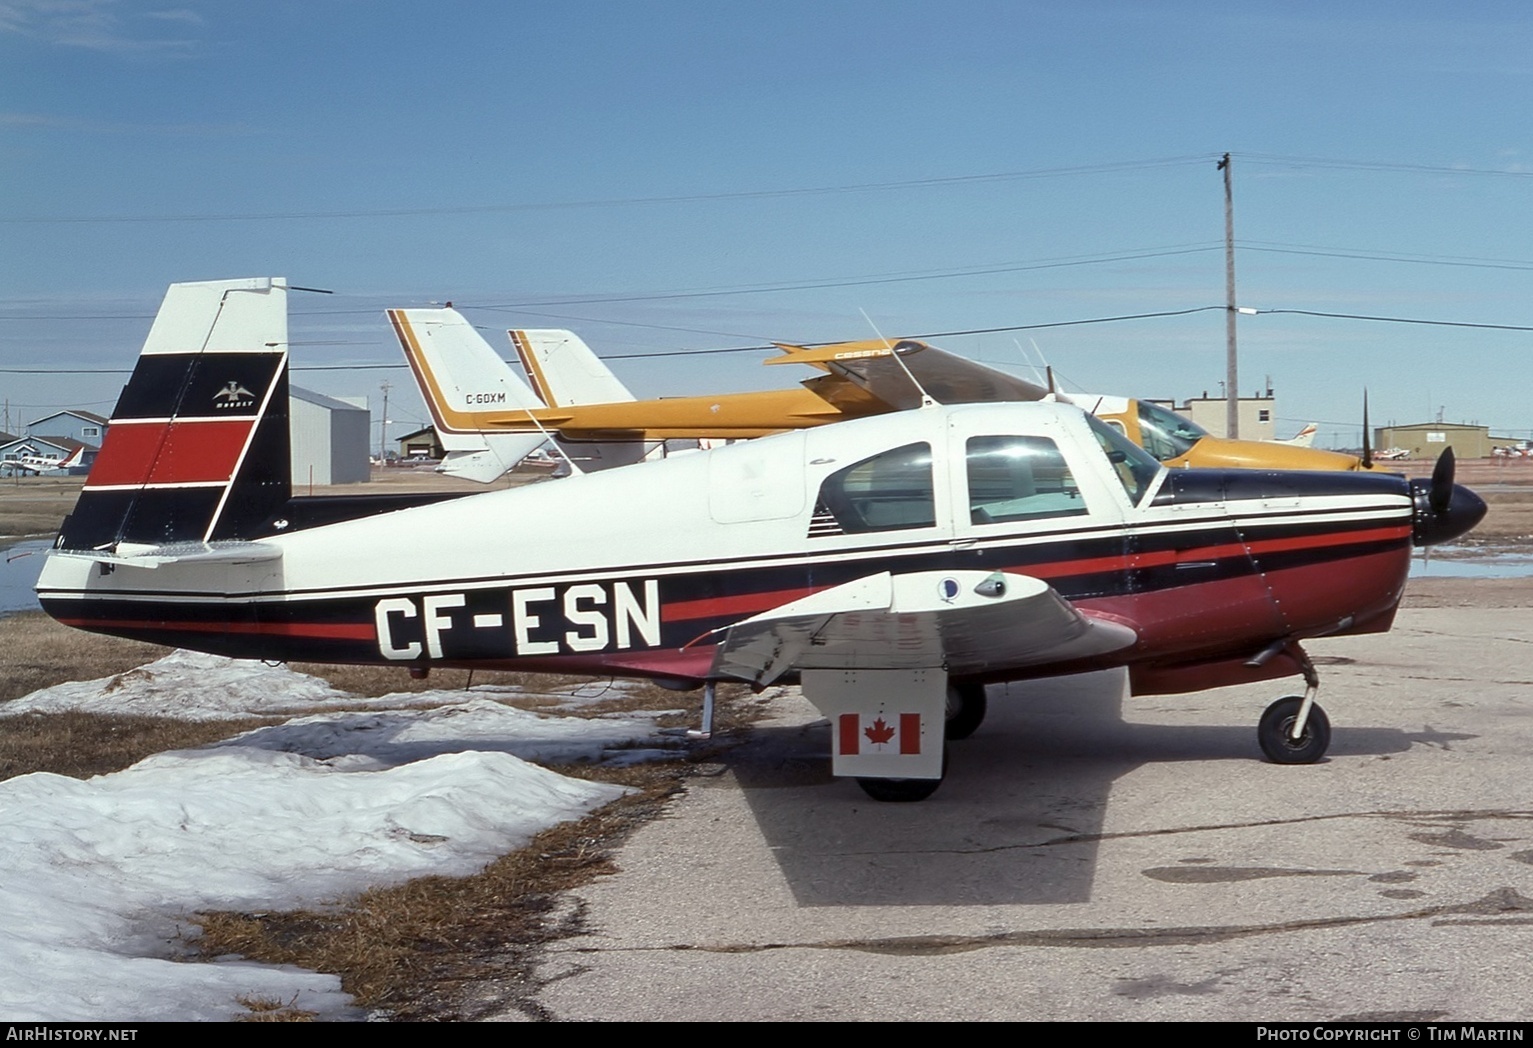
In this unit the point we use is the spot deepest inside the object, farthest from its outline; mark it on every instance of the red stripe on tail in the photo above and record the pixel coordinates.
(170, 452)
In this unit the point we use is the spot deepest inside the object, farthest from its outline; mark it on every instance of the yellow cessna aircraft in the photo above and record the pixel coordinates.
(488, 419)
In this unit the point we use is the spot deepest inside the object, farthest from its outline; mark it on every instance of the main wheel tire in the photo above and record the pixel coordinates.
(1274, 732)
(903, 791)
(899, 791)
(966, 707)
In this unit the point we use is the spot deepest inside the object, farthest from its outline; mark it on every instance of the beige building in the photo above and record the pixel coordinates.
(1258, 415)
(1426, 440)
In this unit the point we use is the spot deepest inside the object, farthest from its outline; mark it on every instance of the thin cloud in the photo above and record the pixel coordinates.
(177, 14)
(105, 26)
(53, 122)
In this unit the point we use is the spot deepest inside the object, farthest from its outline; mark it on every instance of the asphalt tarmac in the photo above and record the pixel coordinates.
(1092, 856)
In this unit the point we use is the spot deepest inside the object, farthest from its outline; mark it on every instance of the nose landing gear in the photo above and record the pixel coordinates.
(1294, 729)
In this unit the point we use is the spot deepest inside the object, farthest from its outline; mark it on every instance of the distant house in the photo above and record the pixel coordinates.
(85, 427)
(57, 436)
(330, 439)
(422, 444)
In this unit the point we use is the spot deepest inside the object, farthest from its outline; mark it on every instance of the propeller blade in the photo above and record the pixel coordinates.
(1442, 481)
(1367, 437)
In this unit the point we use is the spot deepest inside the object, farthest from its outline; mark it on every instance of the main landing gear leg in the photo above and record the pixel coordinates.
(705, 731)
(1294, 729)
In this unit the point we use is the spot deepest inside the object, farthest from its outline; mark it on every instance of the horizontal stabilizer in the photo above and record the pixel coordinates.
(969, 622)
(500, 453)
(139, 555)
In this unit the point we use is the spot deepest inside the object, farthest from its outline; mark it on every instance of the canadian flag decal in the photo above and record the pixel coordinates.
(863, 733)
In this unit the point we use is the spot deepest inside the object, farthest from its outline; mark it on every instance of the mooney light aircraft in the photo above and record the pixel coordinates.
(892, 565)
(488, 419)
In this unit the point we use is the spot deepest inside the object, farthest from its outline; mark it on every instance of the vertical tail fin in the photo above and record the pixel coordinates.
(465, 385)
(564, 371)
(198, 448)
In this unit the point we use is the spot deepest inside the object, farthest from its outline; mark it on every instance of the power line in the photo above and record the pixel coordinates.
(933, 334)
(1063, 262)
(758, 194)
(1060, 262)
(1429, 260)
(1401, 320)
(1378, 165)
(926, 335)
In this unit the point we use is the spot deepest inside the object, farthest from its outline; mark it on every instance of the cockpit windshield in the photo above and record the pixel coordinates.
(1136, 470)
(1165, 434)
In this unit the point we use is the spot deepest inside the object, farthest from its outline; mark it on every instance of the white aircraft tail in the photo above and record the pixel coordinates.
(198, 446)
(1303, 439)
(472, 393)
(466, 385)
(564, 371)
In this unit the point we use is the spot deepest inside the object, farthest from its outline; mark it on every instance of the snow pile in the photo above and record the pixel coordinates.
(188, 685)
(101, 875)
(396, 737)
(192, 686)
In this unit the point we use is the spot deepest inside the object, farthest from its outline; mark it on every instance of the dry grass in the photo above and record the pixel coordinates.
(84, 744)
(39, 653)
(271, 1010)
(373, 681)
(35, 506)
(1509, 519)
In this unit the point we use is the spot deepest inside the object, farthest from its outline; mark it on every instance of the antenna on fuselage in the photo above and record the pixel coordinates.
(1046, 374)
(927, 400)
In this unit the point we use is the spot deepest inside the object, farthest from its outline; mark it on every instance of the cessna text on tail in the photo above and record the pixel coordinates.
(894, 565)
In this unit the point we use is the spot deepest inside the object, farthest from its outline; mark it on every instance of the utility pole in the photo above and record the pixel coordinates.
(383, 423)
(1231, 385)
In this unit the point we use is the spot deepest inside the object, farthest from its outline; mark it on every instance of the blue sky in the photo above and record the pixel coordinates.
(612, 167)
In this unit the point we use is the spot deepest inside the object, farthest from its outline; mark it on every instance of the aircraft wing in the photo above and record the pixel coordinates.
(946, 377)
(967, 622)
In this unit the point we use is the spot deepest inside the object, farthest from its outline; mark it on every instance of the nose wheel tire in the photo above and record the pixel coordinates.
(1274, 732)
(965, 710)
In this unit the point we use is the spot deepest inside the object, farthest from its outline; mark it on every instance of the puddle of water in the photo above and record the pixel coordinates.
(18, 574)
(1457, 562)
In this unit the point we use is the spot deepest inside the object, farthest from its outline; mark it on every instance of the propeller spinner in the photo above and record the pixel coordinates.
(1444, 511)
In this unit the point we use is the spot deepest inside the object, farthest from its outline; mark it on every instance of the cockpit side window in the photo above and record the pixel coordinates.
(1135, 469)
(1167, 435)
(1015, 478)
(887, 492)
